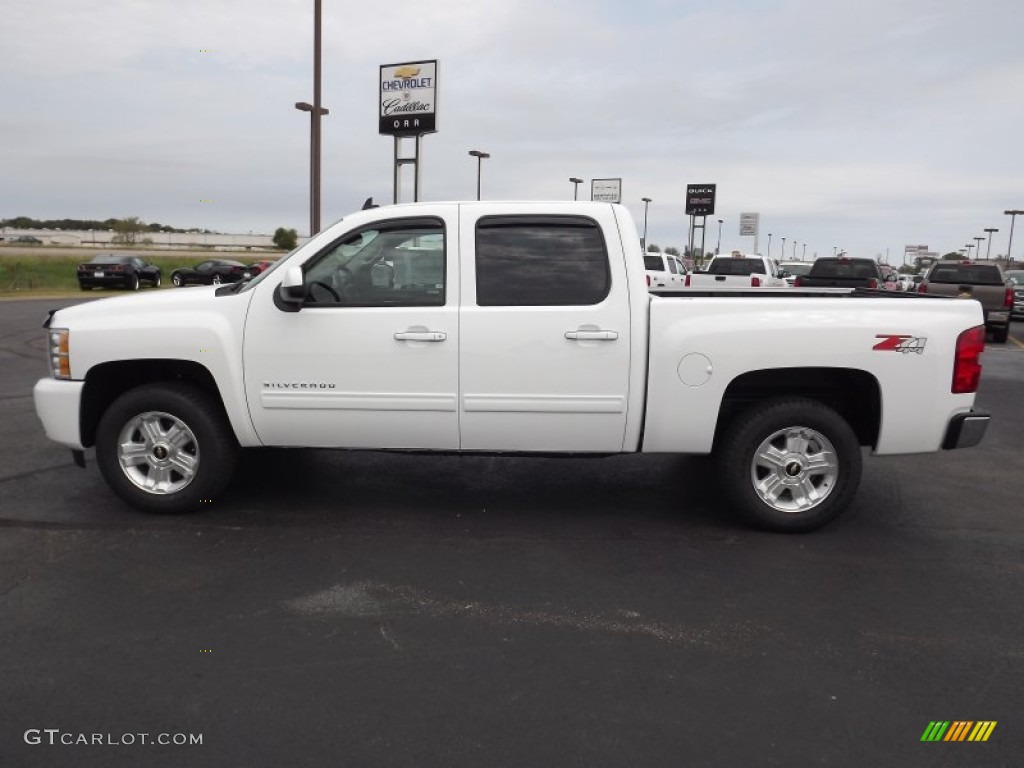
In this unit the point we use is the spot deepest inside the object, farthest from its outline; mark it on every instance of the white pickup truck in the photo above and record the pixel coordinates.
(507, 327)
(735, 269)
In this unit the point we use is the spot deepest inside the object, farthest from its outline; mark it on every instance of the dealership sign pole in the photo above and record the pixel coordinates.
(749, 225)
(408, 109)
(700, 202)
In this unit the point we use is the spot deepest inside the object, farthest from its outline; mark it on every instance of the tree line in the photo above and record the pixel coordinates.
(131, 222)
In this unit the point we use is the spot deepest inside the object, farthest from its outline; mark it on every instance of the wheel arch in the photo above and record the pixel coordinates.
(855, 394)
(105, 382)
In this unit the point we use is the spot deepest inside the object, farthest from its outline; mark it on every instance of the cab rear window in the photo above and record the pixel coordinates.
(974, 274)
(653, 263)
(736, 267)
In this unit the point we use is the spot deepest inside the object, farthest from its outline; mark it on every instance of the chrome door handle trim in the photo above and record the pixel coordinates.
(592, 335)
(421, 336)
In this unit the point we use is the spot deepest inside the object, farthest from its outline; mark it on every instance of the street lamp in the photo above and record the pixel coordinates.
(834, 249)
(794, 250)
(804, 257)
(769, 245)
(968, 246)
(978, 241)
(316, 111)
(575, 186)
(783, 254)
(643, 241)
(1013, 217)
(479, 163)
(718, 247)
(990, 230)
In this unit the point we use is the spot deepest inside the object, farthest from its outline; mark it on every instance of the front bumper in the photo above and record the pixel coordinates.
(58, 406)
(966, 430)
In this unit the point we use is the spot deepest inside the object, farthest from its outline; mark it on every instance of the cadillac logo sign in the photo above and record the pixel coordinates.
(408, 98)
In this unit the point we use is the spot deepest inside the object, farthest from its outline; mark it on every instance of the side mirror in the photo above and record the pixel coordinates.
(293, 288)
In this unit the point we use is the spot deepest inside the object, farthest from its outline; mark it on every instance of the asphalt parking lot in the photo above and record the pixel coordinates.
(377, 609)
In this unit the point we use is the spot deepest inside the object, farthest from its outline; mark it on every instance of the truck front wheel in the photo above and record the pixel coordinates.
(790, 465)
(165, 448)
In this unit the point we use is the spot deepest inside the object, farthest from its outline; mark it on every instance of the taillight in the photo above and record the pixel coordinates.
(1008, 299)
(798, 281)
(755, 281)
(686, 283)
(967, 365)
(922, 287)
(648, 281)
(872, 283)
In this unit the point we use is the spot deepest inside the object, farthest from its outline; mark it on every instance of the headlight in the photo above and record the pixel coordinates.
(59, 357)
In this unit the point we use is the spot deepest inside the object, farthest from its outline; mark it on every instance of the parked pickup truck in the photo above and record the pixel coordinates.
(504, 327)
(737, 269)
(970, 280)
(846, 272)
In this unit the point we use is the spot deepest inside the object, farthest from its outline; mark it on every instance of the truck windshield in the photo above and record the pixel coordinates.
(975, 274)
(736, 267)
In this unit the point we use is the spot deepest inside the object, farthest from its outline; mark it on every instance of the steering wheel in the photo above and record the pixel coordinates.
(326, 287)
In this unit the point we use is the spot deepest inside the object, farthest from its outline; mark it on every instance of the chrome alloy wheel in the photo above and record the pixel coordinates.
(794, 469)
(158, 452)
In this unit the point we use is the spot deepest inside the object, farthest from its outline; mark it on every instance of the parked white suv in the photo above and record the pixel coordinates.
(664, 270)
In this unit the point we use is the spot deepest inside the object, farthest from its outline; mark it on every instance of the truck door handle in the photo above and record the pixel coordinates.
(592, 335)
(421, 336)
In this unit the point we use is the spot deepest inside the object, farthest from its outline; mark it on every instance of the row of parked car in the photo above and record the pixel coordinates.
(1001, 295)
(109, 270)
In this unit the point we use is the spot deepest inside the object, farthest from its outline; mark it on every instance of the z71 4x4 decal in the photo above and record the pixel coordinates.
(900, 343)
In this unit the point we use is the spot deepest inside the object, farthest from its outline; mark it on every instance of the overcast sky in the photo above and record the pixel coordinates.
(862, 124)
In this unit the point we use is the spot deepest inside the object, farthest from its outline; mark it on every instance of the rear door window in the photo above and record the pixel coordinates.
(540, 261)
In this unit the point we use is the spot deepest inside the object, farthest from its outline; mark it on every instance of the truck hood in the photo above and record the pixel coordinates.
(116, 310)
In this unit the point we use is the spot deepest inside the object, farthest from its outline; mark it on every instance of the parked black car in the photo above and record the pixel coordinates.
(212, 272)
(117, 271)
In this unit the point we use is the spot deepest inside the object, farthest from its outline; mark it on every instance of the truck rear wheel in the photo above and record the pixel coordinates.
(165, 448)
(1000, 333)
(790, 465)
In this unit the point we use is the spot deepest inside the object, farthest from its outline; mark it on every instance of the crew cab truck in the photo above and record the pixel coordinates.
(737, 270)
(504, 327)
(971, 280)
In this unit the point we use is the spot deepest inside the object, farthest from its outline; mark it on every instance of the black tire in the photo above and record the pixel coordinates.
(156, 280)
(133, 282)
(808, 492)
(177, 279)
(1000, 334)
(208, 440)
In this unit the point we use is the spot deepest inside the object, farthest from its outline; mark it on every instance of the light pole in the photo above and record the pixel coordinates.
(575, 186)
(804, 257)
(794, 250)
(978, 241)
(479, 163)
(1013, 217)
(968, 246)
(990, 230)
(834, 249)
(643, 241)
(316, 111)
(783, 254)
(769, 245)
(718, 247)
